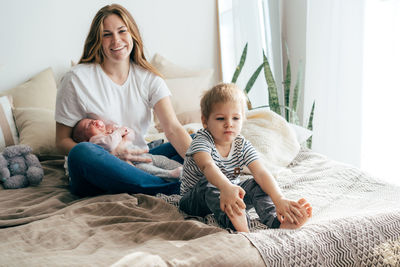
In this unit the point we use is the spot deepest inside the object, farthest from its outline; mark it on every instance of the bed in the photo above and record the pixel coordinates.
(356, 217)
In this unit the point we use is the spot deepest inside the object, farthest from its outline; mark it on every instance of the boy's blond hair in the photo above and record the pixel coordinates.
(222, 93)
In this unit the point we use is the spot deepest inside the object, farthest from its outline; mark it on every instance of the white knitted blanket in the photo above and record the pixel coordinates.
(356, 218)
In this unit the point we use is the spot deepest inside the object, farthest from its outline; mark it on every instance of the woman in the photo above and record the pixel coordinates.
(113, 81)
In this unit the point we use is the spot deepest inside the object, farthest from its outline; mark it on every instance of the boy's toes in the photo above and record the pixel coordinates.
(309, 211)
(302, 201)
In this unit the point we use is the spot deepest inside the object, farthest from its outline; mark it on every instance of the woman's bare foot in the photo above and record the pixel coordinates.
(306, 211)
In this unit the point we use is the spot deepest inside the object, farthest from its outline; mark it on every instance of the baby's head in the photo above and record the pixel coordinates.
(86, 128)
(223, 107)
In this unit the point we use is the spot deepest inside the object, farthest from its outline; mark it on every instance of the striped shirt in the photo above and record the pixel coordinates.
(243, 153)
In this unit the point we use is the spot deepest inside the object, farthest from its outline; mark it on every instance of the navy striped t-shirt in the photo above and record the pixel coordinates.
(242, 155)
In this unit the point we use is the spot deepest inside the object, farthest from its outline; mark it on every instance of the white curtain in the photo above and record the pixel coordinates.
(256, 22)
(334, 56)
(381, 95)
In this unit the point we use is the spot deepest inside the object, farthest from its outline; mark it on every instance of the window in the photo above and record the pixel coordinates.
(380, 147)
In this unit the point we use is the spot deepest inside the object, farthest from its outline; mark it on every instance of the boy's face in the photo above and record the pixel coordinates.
(91, 127)
(225, 122)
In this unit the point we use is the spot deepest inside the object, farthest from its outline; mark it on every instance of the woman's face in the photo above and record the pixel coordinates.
(117, 42)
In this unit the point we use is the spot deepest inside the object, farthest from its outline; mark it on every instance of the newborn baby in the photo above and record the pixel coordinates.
(112, 138)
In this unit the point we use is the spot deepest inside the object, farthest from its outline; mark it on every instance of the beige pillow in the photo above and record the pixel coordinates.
(8, 130)
(39, 91)
(186, 86)
(185, 97)
(184, 118)
(37, 128)
(171, 70)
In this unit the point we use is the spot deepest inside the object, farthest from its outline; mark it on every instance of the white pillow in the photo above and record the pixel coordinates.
(272, 137)
(302, 134)
(8, 130)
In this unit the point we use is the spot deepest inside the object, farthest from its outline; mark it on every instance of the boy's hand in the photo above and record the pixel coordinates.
(287, 209)
(231, 200)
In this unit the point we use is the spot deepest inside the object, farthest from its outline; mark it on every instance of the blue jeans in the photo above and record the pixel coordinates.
(94, 171)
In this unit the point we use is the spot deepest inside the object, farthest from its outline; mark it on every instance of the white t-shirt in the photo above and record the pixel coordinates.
(87, 92)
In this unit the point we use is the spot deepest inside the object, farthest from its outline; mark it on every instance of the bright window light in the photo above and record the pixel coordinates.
(381, 93)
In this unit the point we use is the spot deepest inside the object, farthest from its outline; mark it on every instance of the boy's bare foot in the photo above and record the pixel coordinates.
(240, 222)
(305, 209)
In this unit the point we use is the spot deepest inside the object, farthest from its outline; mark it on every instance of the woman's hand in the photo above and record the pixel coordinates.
(287, 209)
(129, 154)
(231, 200)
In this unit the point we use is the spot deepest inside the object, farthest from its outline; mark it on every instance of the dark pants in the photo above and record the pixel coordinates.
(203, 200)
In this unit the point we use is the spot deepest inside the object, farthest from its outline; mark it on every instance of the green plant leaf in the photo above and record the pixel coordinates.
(296, 89)
(310, 125)
(241, 64)
(286, 90)
(248, 102)
(294, 118)
(272, 90)
(310, 119)
(253, 79)
(250, 84)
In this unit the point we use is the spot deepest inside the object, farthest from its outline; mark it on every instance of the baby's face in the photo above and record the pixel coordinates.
(92, 127)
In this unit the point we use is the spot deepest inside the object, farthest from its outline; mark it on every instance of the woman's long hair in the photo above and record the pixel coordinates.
(93, 51)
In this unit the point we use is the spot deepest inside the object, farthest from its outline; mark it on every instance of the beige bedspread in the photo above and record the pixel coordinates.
(47, 226)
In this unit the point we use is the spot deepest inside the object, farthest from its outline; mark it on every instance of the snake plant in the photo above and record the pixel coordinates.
(288, 110)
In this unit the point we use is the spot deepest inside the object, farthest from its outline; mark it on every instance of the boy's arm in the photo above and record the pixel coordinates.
(284, 207)
(231, 198)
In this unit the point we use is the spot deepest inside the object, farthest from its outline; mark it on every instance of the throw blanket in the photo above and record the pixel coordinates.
(356, 218)
(47, 226)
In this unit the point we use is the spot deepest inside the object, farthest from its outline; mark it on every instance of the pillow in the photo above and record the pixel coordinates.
(272, 137)
(171, 70)
(39, 92)
(185, 97)
(190, 128)
(37, 128)
(8, 131)
(184, 118)
(302, 134)
(186, 86)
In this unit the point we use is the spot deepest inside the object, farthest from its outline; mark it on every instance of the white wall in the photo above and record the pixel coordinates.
(38, 34)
